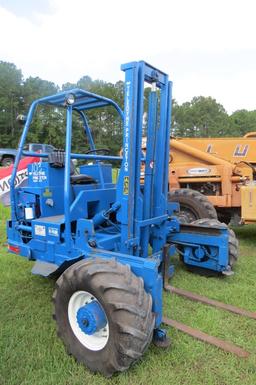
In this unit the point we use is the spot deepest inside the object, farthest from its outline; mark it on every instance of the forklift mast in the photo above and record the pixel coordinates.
(144, 207)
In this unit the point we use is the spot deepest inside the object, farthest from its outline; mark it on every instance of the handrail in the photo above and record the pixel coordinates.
(67, 178)
(59, 100)
(75, 156)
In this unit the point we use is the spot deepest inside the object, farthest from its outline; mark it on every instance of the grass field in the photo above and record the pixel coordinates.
(31, 353)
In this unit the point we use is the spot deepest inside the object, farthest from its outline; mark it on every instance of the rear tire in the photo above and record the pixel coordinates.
(232, 241)
(126, 305)
(193, 205)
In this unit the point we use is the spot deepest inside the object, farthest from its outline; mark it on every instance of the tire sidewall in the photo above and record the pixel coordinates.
(127, 305)
(61, 306)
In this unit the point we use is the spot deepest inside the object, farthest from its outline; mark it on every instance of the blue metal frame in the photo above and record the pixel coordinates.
(77, 222)
(86, 100)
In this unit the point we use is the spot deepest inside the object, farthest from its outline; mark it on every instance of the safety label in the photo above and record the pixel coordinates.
(40, 230)
(53, 231)
(126, 185)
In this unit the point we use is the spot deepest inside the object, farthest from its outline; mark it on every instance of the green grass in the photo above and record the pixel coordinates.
(32, 354)
(4, 212)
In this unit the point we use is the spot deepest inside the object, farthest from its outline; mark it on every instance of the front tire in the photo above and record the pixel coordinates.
(127, 322)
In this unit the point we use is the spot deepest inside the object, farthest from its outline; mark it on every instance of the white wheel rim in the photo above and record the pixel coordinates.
(99, 339)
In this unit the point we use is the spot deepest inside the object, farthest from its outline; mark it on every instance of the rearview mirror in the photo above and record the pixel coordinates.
(21, 119)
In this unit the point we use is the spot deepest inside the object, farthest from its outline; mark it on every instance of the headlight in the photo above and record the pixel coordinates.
(70, 99)
(21, 119)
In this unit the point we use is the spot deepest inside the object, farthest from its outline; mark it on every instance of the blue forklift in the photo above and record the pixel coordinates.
(110, 243)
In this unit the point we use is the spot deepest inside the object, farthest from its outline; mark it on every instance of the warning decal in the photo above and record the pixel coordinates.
(126, 185)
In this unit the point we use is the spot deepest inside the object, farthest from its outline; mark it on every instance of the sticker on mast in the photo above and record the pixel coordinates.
(126, 185)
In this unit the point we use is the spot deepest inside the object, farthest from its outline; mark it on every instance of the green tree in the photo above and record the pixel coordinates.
(242, 121)
(201, 117)
(48, 125)
(105, 123)
(45, 127)
(10, 102)
(35, 88)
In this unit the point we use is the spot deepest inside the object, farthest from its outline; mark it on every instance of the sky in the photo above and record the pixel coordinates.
(208, 47)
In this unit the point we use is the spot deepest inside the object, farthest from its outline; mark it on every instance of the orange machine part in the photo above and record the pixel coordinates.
(193, 163)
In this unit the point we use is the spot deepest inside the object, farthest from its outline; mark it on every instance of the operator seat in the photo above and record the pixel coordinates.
(56, 159)
(81, 179)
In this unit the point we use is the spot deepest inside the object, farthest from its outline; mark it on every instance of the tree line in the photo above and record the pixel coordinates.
(200, 117)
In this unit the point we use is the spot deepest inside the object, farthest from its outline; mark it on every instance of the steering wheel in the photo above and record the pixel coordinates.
(104, 150)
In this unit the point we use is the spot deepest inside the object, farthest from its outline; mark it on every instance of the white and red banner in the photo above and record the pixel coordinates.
(21, 178)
